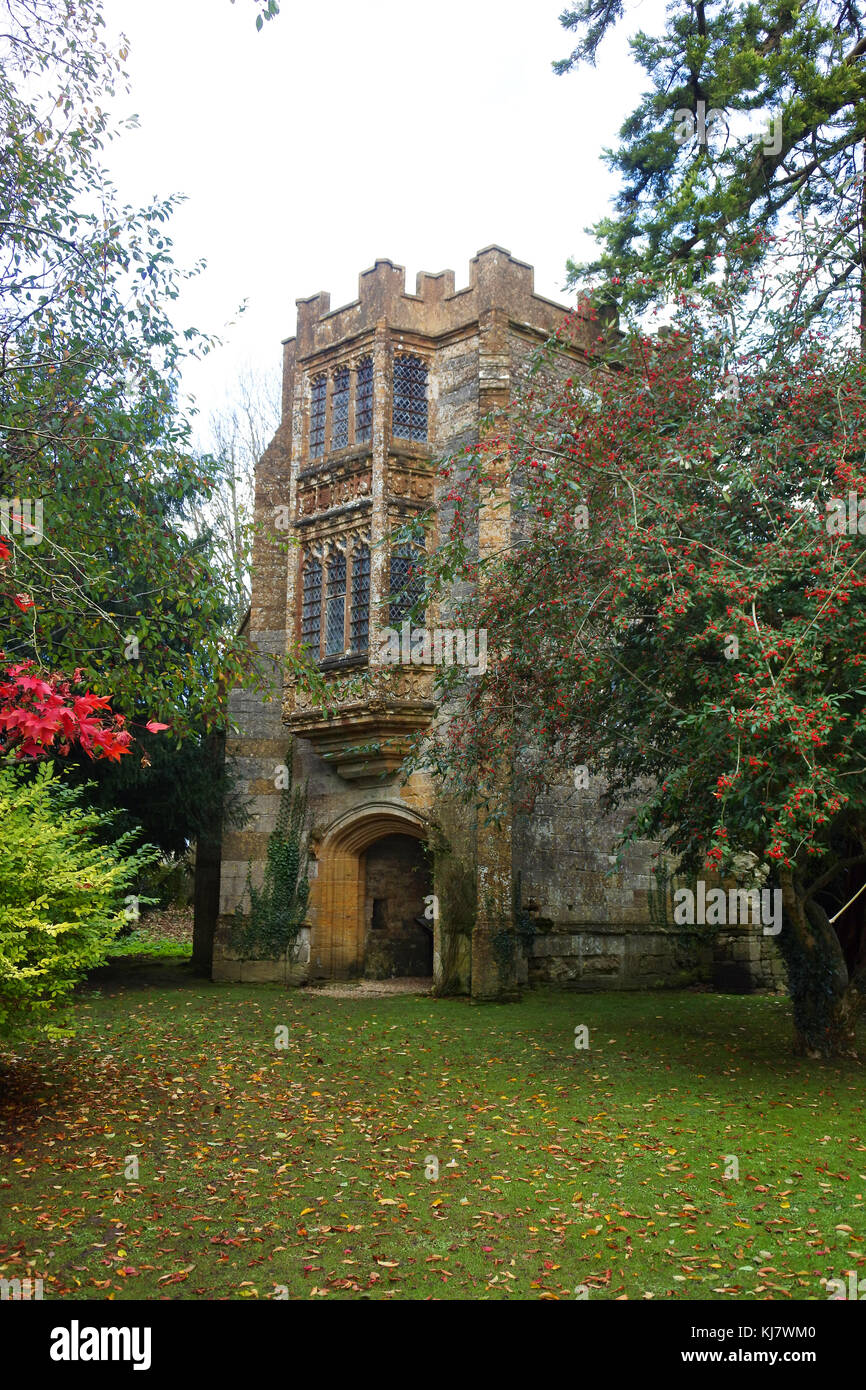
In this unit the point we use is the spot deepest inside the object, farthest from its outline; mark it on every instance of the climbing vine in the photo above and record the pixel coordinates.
(278, 908)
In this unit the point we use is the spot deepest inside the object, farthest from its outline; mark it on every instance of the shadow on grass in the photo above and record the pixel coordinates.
(142, 972)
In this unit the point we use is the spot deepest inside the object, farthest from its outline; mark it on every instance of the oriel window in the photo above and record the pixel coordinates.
(317, 416)
(364, 401)
(410, 398)
(360, 614)
(407, 581)
(311, 613)
(340, 409)
(335, 606)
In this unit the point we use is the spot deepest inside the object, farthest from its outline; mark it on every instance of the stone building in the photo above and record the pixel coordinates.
(403, 882)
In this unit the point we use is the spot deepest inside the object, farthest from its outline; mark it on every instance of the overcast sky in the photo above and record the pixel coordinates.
(357, 129)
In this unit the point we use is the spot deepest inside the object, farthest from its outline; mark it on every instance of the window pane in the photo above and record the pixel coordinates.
(317, 416)
(407, 582)
(340, 409)
(312, 605)
(410, 398)
(360, 615)
(335, 606)
(364, 401)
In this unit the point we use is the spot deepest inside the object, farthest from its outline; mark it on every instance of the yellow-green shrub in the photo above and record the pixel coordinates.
(62, 896)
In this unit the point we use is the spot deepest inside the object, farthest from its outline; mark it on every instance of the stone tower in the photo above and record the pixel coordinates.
(403, 882)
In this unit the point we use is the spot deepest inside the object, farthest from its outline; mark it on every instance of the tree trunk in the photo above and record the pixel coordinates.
(826, 1002)
(208, 860)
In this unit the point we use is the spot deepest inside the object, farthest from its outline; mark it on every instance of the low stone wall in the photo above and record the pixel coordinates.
(745, 960)
(647, 957)
(617, 957)
(292, 968)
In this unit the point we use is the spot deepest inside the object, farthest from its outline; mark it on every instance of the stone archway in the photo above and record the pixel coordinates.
(340, 931)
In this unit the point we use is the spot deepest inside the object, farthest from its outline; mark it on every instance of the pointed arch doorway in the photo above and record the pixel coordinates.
(372, 882)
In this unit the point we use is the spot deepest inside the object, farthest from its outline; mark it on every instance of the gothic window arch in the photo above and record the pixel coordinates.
(335, 604)
(311, 604)
(410, 398)
(335, 597)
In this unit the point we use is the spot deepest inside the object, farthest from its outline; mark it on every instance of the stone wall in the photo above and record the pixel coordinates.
(255, 750)
(397, 881)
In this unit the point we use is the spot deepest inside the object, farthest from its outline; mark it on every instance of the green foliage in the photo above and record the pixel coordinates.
(174, 796)
(61, 897)
(702, 638)
(267, 9)
(119, 582)
(681, 612)
(278, 908)
(737, 188)
(168, 883)
(144, 942)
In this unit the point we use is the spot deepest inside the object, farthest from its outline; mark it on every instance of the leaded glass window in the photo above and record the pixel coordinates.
(364, 401)
(311, 613)
(335, 605)
(410, 398)
(360, 614)
(407, 581)
(317, 416)
(340, 409)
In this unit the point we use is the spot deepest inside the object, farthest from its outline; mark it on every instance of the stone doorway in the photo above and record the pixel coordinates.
(398, 937)
(338, 905)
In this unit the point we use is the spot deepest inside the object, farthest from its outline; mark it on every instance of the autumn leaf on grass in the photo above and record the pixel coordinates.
(178, 1277)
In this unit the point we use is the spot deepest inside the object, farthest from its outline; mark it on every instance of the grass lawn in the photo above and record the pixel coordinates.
(167, 933)
(304, 1167)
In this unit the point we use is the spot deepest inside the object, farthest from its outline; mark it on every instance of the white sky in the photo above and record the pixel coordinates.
(354, 129)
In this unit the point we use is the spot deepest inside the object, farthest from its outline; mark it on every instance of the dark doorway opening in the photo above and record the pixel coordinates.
(398, 933)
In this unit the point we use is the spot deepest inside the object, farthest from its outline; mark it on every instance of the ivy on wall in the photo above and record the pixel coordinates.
(277, 909)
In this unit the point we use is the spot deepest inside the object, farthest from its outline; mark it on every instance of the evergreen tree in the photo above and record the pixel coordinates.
(748, 145)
